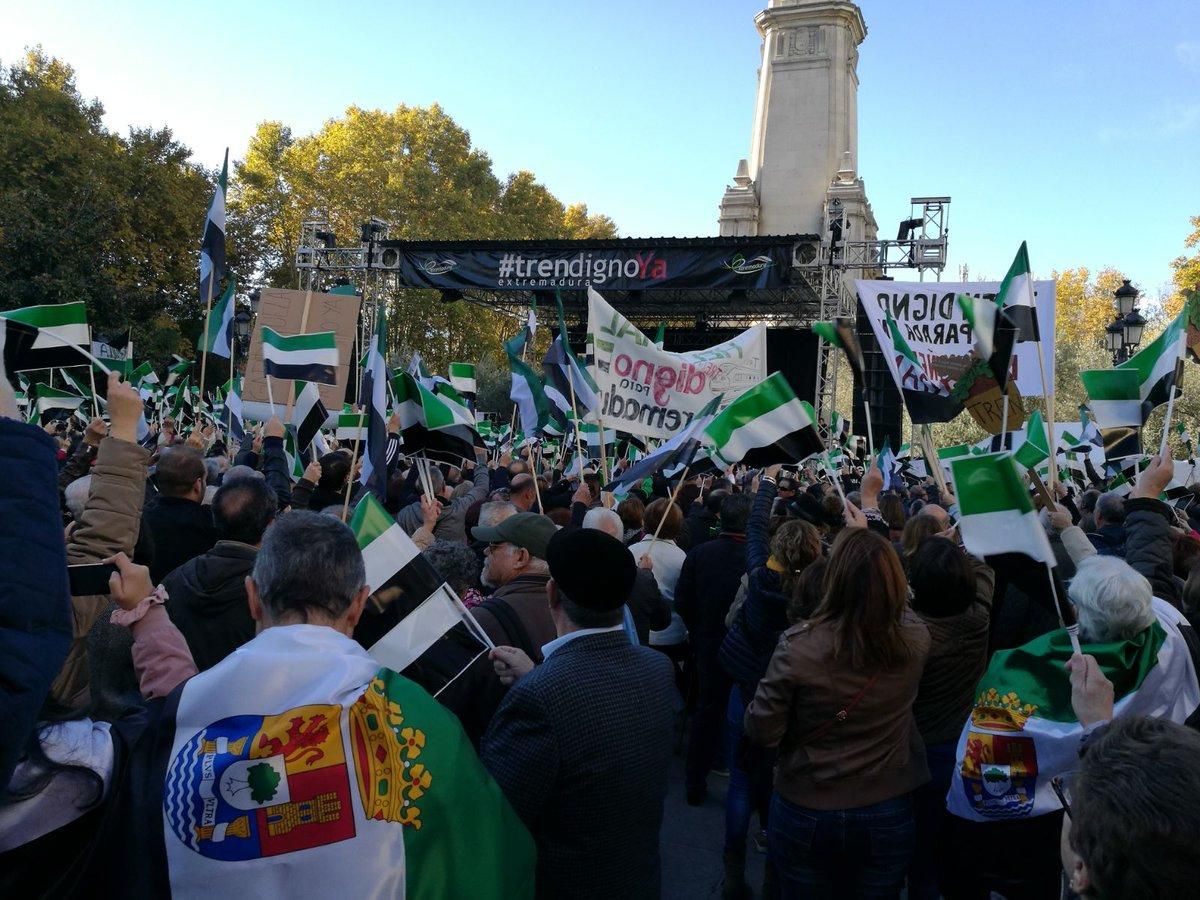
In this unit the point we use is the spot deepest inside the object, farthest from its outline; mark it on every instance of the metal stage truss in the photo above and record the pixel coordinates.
(814, 287)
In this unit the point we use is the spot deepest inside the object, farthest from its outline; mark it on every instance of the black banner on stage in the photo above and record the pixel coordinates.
(638, 266)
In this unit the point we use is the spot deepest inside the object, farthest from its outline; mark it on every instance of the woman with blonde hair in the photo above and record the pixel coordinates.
(836, 702)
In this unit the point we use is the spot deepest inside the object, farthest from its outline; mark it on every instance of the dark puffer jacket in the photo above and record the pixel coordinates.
(1109, 540)
(1148, 546)
(751, 640)
(35, 612)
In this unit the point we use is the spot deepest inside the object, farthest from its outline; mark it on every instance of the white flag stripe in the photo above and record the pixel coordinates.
(327, 356)
(1166, 362)
(387, 555)
(417, 631)
(1115, 413)
(1005, 531)
(78, 334)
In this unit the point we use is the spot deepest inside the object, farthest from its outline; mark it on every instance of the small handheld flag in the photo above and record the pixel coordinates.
(301, 357)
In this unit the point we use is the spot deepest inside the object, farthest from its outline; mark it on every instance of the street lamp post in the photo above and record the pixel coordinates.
(1124, 333)
(242, 326)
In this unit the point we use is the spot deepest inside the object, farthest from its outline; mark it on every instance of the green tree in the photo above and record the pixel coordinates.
(89, 215)
(1187, 272)
(582, 226)
(415, 168)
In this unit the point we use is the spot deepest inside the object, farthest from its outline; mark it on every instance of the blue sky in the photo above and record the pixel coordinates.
(1074, 125)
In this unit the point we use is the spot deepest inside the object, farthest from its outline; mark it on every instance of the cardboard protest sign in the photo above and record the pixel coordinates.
(282, 310)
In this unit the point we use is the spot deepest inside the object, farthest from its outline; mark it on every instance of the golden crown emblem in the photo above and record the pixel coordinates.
(388, 781)
(1001, 712)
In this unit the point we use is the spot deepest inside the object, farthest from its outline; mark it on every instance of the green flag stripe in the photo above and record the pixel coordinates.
(989, 483)
(1020, 266)
(320, 340)
(1111, 384)
(370, 520)
(757, 401)
(827, 331)
(51, 315)
(1034, 671)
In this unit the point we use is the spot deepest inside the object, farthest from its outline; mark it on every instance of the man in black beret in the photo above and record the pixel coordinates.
(582, 742)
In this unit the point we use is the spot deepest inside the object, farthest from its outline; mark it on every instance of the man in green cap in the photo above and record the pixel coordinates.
(514, 565)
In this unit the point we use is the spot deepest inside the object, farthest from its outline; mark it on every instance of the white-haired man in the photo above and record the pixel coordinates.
(650, 610)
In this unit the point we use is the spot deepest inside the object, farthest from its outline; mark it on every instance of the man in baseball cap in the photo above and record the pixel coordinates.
(581, 744)
(514, 565)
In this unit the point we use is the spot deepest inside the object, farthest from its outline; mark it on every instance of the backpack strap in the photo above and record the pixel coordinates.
(510, 622)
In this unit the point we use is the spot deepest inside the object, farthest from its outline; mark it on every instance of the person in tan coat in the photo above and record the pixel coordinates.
(109, 525)
(837, 700)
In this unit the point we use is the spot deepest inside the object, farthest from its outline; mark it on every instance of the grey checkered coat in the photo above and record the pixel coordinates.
(581, 747)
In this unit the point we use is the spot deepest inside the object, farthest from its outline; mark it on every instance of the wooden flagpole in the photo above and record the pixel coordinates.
(207, 323)
(670, 503)
(353, 462)
(287, 413)
(537, 491)
(932, 457)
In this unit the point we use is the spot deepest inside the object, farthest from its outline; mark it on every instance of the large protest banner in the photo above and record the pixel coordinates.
(934, 327)
(625, 265)
(653, 393)
(283, 310)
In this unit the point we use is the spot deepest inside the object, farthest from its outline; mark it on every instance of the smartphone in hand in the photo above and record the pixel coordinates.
(91, 579)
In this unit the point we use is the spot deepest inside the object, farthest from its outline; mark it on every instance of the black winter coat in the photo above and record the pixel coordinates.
(762, 618)
(207, 601)
(181, 530)
(707, 584)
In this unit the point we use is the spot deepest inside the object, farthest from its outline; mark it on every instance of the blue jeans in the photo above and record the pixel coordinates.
(861, 852)
(748, 791)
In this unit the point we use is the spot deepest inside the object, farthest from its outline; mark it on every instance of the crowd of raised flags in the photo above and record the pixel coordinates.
(556, 407)
(556, 410)
(556, 419)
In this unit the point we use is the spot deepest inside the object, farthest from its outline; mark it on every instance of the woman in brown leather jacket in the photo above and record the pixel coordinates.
(837, 701)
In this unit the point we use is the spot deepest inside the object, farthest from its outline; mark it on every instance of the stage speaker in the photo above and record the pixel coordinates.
(886, 403)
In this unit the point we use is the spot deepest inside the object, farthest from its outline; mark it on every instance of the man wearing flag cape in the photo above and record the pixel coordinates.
(298, 767)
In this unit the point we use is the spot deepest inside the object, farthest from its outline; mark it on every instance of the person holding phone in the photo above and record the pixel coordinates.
(110, 523)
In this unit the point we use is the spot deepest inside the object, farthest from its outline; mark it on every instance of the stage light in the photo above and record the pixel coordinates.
(328, 238)
(907, 227)
(369, 229)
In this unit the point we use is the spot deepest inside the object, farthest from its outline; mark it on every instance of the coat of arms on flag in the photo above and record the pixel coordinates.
(246, 787)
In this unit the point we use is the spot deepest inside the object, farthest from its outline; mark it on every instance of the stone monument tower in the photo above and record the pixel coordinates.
(804, 146)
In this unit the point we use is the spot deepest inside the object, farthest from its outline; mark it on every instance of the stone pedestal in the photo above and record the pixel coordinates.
(805, 120)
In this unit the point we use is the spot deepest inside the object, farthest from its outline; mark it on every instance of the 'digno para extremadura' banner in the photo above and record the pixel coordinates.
(653, 393)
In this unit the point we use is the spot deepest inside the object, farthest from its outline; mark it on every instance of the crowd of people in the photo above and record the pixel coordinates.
(213, 721)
